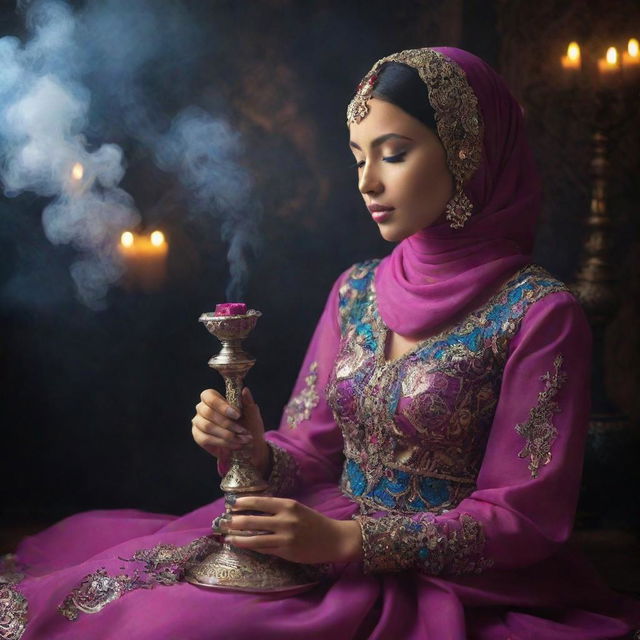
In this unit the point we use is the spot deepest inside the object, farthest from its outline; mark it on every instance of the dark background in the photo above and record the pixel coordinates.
(96, 405)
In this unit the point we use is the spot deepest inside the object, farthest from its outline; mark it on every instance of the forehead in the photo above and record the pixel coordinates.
(384, 117)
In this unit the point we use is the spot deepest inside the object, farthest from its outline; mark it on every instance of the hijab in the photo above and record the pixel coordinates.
(440, 273)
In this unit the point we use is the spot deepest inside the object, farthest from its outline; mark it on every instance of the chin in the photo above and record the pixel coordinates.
(393, 235)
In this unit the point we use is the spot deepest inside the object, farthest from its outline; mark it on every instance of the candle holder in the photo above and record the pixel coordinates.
(228, 567)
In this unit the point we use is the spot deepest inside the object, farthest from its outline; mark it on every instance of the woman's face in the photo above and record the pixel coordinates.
(402, 165)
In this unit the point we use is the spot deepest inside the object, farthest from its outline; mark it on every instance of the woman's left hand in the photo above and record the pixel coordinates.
(299, 533)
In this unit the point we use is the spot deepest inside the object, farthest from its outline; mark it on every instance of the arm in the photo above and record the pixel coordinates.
(527, 489)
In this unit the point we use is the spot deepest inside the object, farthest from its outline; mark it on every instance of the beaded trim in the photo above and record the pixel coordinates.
(300, 406)
(396, 543)
(458, 118)
(538, 430)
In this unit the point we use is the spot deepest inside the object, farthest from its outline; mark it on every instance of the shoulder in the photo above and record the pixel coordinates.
(553, 312)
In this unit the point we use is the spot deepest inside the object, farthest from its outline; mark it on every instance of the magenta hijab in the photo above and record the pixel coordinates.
(439, 274)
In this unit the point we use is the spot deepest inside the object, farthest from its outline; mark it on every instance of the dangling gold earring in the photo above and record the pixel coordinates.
(459, 208)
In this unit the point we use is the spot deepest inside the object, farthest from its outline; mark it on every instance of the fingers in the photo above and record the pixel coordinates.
(214, 400)
(245, 524)
(208, 435)
(262, 543)
(213, 417)
(266, 504)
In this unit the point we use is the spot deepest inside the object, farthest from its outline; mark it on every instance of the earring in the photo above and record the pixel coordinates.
(459, 208)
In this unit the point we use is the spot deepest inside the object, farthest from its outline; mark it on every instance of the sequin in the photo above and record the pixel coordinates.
(164, 564)
(300, 406)
(538, 430)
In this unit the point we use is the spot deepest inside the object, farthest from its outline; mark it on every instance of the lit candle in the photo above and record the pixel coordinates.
(573, 59)
(230, 309)
(609, 66)
(145, 258)
(631, 59)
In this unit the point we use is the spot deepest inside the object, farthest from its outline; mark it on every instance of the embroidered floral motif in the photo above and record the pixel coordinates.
(164, 564)
(13, 605)
(13, 613)
(457, 114)
(538, 430)
(300, 407)
(395, 543)
(284, 471)
(415, 429)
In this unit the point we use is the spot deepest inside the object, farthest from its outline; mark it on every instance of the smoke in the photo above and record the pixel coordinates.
(83, 75)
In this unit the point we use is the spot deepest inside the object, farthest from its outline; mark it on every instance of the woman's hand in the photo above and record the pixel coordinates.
(218, 428)
(299, 533)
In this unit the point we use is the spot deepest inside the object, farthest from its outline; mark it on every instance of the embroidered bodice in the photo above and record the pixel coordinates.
(415, 428)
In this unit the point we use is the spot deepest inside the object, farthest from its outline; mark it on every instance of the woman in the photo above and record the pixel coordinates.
(432, 448)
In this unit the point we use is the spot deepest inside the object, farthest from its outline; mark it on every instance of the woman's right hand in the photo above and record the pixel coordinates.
(218, 428)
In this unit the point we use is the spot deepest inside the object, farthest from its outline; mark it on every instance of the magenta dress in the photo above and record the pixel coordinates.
(461, 460)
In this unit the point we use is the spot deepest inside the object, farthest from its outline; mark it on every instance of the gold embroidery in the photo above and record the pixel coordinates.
(300, 407)
(538, 430)
(164, 564)
(13, 605)
(13, 613)
(415, 429)
(284, 471)
(457, 114)
(396, 543)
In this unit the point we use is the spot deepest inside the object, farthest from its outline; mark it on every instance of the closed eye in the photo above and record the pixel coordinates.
(399, 157)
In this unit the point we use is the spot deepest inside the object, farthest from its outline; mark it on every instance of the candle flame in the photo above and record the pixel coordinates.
(632, 48)
(126, 239)
(157, 238)
(77, 171)
(612, 55)
(573, 51)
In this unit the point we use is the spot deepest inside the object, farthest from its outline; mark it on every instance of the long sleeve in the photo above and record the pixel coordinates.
(524, 503)
(307, 448)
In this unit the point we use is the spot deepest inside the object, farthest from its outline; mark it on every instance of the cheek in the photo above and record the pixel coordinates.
(428, 183)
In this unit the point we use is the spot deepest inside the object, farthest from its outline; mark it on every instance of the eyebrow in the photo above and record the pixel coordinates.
(379, 140)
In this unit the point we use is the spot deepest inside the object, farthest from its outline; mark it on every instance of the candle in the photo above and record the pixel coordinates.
(609, 66)
(573, 59)
(230, 309)
(631, 59)
(145, 259)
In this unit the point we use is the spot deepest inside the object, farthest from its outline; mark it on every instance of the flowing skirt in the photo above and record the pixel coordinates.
(113, 574)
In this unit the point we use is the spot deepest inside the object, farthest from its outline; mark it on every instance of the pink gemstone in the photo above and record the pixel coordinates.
(231, 309)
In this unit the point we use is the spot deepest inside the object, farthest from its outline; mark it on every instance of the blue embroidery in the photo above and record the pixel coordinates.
(433, 491)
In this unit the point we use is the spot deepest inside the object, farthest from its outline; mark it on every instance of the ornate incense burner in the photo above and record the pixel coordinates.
(228, 567)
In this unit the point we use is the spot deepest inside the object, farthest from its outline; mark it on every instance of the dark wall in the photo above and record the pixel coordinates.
(96, 405)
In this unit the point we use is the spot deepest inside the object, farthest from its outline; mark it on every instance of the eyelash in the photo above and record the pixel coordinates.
(397, 158)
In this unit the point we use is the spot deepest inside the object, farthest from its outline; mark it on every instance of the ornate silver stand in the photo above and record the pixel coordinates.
(228, 567)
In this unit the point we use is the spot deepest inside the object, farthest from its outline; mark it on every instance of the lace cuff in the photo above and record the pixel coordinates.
(284, 471)
(396, 542)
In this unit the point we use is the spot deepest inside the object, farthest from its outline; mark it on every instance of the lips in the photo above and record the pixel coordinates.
(379, 212)
(378, 207)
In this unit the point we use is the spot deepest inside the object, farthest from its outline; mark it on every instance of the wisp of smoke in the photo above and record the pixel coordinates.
(45, 105)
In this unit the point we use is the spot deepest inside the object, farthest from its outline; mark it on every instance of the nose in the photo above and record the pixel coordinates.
(369, 181)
